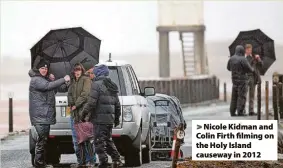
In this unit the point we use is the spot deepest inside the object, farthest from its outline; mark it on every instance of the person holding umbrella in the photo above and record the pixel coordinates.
(254, 77)
(77, 96)
(42, 89)
(239, 67)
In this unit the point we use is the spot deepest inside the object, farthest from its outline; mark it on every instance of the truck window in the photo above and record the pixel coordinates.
(134, 80)
(116, 75)
(128, 82)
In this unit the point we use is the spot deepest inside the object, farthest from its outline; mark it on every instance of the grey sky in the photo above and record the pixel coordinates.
(127, 27)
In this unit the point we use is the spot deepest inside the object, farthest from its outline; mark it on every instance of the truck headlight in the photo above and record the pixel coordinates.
(127, 113)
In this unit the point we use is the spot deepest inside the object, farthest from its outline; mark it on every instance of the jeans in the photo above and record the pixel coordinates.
(77, 148)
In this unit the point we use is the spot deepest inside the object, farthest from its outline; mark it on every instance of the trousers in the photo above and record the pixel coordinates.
(251, 86)
(40, 146)
(104, 144)
(239, 94)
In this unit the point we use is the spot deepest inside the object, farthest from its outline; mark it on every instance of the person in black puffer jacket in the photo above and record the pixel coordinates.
(239, 67)
(104, 108)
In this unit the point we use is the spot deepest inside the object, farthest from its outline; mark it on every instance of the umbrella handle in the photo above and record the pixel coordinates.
(65, 54)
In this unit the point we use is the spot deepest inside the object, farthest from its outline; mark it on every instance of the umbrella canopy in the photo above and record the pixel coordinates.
(66, 47)
(262, 45)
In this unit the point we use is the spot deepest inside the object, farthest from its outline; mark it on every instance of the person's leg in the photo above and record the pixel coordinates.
(251, 96)
(242, 94)
(233, 104)
(43, 132)
(82, 153)
(75, 143)
(110, 146)
(90, 155)
(100, 137)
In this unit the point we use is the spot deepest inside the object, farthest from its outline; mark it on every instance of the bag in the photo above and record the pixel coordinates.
(84, 131)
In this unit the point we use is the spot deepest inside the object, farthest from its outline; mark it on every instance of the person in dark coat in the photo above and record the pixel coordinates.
(254, 78)
(239, 67)
(90, 73)
(104, 106)
(42, 106)
(78, 93)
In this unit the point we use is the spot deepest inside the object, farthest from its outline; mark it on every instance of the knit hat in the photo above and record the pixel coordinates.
(43, 63)
(101, 70)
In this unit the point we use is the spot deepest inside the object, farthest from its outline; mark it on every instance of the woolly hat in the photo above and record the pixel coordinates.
(43, 63)
(101, 70)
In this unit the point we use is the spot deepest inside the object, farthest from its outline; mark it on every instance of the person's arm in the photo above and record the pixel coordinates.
(117, 110)
(246, 65)
(45, 85)
(92, 99)
(228, 65)
(63, 88)
(70, 97)
(259, 62)
(84, 94)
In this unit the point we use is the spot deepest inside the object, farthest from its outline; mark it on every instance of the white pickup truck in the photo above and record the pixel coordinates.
(132, 137)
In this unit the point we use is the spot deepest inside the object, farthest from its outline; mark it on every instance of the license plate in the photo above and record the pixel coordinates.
(68, 111)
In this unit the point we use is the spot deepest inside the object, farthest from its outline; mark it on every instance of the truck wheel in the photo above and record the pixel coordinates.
(146, 154)
(53, 155)
(133, 156)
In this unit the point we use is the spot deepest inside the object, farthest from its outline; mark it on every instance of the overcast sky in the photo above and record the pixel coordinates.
(128, 27)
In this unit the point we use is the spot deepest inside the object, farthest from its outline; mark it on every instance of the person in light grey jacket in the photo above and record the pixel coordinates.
(42, 91)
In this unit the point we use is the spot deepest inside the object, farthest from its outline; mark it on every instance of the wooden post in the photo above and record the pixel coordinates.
(275, 105)
(266, 100)
(225, 92)
(11, 129)
(259, 101)
(280, 99)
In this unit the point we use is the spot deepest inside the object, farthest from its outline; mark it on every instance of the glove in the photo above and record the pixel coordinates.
(87, 117)
(116, 123)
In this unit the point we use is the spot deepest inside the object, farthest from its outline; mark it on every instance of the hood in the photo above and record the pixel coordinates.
(111, 86)
(33, 73)
(240, 51)
(101, 70)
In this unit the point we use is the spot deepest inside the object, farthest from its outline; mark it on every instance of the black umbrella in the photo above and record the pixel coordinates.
(262, 45)
(66, 47)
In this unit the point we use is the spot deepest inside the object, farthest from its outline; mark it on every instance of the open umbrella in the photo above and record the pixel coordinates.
(66, 47)
(262, 45)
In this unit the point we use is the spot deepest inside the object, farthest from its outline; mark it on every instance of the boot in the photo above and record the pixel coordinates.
(252, 114)
(48, 166)
(117, 164)
(90, 165)
(76, 165)
(242, 114)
